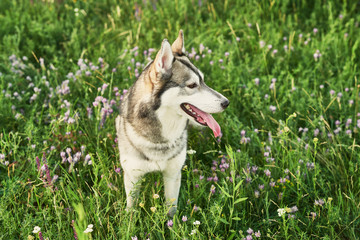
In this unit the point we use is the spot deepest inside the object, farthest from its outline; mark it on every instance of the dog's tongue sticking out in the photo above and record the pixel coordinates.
(211, 122)
(208, 120)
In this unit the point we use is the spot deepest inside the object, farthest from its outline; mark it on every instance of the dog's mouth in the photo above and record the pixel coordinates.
(202, 118)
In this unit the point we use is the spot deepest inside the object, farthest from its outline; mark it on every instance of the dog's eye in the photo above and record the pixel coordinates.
(194, 85)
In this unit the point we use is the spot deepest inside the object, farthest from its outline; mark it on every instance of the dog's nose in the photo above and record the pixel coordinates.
(225, 104)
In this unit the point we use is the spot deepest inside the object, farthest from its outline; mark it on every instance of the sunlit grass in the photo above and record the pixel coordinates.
(286, 167)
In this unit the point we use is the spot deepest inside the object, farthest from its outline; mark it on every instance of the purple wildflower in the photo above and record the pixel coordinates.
(170, 223)
(250, 231)
(41, 236)
(212, 189)
(87, 158)
(272, 108)
(348, 132)
(248, 179)
(316, 132)
(272, 86)
(249, 237)
(48, 174)
(310, 165)
(319, 202)
(262, 43)
(282, 180)
(38, 163)
(317, 55)
(348, 122)
(294, 209)
(242, 133)
(75, 234)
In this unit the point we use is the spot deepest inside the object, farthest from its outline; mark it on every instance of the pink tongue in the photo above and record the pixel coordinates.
(209, 120)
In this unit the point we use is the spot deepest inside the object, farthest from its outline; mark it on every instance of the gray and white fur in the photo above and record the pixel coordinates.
(152, 125)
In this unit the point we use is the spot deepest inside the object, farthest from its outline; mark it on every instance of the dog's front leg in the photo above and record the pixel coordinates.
(172, 187)
(172, 180)
(131, 182)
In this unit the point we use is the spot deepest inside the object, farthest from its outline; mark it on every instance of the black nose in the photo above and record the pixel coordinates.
(225, 104)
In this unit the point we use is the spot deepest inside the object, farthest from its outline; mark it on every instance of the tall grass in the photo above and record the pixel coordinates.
(286, 167)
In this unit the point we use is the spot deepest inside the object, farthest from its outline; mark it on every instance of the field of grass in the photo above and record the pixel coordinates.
(286, 167)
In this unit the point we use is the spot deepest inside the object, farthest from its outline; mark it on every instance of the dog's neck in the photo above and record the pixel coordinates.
(172, 124)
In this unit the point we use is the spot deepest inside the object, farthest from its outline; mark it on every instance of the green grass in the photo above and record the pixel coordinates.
(306, 141)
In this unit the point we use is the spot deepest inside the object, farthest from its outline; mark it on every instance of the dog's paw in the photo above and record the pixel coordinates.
(172, 211)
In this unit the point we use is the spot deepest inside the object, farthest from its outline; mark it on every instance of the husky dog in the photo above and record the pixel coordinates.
(152, 126)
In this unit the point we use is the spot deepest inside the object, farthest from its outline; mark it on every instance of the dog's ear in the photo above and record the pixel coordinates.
(178, 46)
(164, 58)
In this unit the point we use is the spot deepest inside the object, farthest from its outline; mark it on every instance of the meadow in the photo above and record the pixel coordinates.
(286, 166)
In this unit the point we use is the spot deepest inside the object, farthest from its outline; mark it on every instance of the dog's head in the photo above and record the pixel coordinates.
(179, 86)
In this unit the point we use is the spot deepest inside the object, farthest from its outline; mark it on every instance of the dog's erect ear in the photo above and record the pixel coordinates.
(178, 46)
(164, 58)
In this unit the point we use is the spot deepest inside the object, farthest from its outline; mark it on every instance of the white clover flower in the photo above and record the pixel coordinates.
(281, 212)
(89, 228)
(191, 151)
(36, 229)
(156, 196)
(196, 222)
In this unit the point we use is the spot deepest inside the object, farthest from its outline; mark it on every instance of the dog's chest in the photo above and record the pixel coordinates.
(159, 151)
